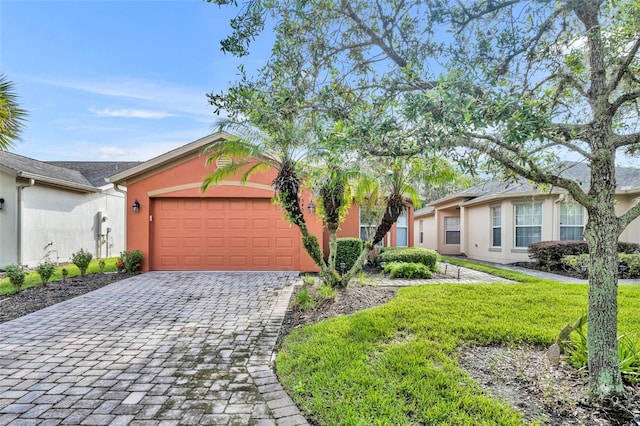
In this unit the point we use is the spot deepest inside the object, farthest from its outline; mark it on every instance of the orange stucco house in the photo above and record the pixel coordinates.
(229, 227)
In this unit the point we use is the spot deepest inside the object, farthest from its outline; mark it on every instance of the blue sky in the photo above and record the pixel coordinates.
(116, 80)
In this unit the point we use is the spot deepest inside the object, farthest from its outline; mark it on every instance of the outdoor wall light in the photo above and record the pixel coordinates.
(1, 203)
(312, 207)
(136, 206)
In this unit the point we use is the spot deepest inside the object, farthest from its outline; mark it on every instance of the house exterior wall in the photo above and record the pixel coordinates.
(478, 228)
(8, 220)
(69, 220)
(441, 216)
(183, 178)
(429, 232)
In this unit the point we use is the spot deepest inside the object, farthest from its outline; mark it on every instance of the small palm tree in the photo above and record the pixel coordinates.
(12, 117)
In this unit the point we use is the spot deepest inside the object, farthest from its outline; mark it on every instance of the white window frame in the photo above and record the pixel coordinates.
(582, 214)
(452, 230)
(405, 228)
(516, 226)
(495, 226)
(373, 228)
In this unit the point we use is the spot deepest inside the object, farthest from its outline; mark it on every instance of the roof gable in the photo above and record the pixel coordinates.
(177, 155)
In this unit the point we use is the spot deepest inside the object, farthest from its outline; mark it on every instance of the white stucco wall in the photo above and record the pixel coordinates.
(69, 220)
(8, 235)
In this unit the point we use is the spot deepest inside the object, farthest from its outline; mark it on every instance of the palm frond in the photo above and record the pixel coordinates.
(217, 175)
(256, 168)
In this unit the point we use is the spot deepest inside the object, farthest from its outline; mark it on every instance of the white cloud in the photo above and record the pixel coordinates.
(132, 113)
(145, 94)
(110, 150)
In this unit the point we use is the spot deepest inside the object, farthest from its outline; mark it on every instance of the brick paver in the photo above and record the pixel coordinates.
(160, 348)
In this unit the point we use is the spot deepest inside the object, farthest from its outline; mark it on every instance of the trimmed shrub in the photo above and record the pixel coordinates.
(629, 248)
(130, 261)
(549, 254)
(82, 259)
(16, 275)
(46, 270)
(631, 261)
(575, 263)
(427, 257)
(348, 251)
(407, 270)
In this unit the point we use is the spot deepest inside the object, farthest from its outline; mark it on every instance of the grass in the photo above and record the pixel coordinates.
(33, 279)
(397, 363)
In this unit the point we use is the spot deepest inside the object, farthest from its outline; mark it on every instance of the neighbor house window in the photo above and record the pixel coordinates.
(368, 227)
(496, 227)
(452, 230)
(421, 232)
(571, 221)
(402, 230)
(528, 224)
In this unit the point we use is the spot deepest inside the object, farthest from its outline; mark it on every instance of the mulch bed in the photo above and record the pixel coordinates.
(35, 298)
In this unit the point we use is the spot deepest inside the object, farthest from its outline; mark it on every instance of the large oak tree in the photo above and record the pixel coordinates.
(523, 83)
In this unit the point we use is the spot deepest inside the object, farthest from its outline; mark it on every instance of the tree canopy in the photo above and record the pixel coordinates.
(521, 84)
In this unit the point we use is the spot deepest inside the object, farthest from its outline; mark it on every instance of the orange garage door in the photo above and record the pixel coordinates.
(222, 234)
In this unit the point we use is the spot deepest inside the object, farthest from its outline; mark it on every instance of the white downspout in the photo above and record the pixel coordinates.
(117, 188)
(20, 187)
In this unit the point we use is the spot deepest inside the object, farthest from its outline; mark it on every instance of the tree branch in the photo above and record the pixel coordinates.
(622, 99)
(628, 216)
(532, 172)
(626, 140)
(623, 67)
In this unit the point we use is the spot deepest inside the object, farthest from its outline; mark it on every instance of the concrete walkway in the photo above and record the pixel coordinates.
(184, 348)
(454, 275)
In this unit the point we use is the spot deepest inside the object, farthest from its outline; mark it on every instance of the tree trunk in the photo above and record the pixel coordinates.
(602, 238)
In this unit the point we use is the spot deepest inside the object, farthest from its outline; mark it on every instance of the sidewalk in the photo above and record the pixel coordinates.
(548, 275)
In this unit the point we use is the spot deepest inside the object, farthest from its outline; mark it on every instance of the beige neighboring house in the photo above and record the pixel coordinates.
(53, 209)
(496, 221)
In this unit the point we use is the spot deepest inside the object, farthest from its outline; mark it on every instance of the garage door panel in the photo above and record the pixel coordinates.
(215, 242)
(238, 242)
(166, 242)
(215, 224)
(192, 205)
(222, 234)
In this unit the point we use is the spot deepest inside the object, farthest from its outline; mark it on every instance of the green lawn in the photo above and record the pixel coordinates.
(32, 279)
(396, 364)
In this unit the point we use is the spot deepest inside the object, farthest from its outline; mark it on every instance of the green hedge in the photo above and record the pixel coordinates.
(407, 270)
(549, 254)
(427, 257)
(348, 251)
(631, 261)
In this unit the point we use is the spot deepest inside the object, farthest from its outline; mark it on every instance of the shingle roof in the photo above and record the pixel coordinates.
(25, 165)
(626, 178)
(96, 171)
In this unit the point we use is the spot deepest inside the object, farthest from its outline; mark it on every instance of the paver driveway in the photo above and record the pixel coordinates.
(159, 348)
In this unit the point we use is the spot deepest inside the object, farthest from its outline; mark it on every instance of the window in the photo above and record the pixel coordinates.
(368, 227)
(421, 232)
(402, 230)
(496, 227)
(528, 224)
(452, 230)
(571, 221)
